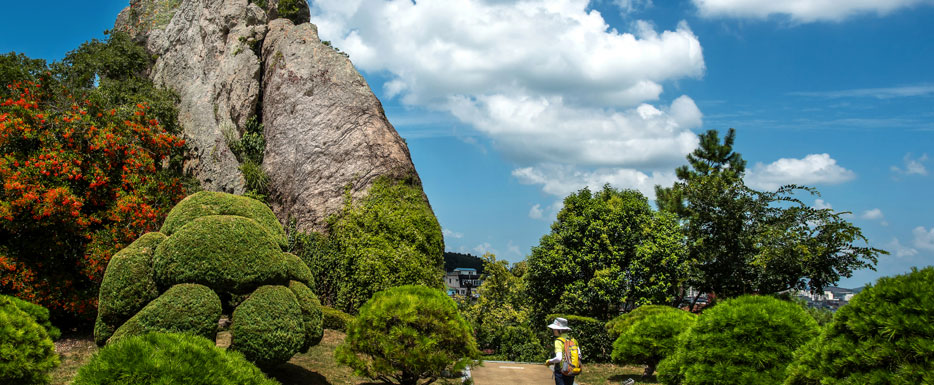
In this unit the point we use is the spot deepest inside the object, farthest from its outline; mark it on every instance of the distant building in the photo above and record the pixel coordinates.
(831, 298)
(462, 281)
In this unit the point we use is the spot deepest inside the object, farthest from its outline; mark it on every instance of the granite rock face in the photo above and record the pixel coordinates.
(229, 60)
(324, 127)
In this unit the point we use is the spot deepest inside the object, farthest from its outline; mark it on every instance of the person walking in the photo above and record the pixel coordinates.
(560, 329)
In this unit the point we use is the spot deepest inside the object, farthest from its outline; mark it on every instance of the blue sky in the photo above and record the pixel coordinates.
(507, 106)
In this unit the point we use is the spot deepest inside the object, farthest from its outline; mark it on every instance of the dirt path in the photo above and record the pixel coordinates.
(501, 373)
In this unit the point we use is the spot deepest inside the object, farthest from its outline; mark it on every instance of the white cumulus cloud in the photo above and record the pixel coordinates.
(548, 81)
(802, 10)
(451, 233)
(821, 204)
(924, 239)
(872, 214)
(536, 212)
(813, 169)
(561, 180)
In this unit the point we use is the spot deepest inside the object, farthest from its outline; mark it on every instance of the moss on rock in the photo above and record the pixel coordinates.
(224, 252)
(267, 328)
(185, 308)
(311, 314)
(207, 203)
(128, 283)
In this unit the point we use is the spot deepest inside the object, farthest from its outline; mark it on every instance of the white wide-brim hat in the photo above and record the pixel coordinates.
(560, 324)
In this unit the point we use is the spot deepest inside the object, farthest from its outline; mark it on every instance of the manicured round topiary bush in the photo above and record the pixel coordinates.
(128, 285)
(38, 313)
(27, 354)
(744, 340)
(623, 322)
(590, 333)
(225, 252)
(268, 327)
(206, 203)
(311, 314)
(885, 335)
(188, 308)
(168, 358)
(652, 338)
(212, 264)
(407, 333)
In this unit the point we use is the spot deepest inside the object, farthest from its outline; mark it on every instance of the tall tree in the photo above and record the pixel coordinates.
(607, 251)
(743, 241)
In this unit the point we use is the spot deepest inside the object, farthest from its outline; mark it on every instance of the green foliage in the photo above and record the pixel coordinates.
(128, 284)
(744, 241)
(311, 314)
(652, 338)
(407, 333)
(249, 149)
(500, 316)
(168, 358)
(335, 319)
(206, 203)
(883, 336)
(389, 238)
(261, 3)
(184, 308)
(95, 162)
(745, 340)
(228, 253)
(27, 354)
(256, 179)
(294, 10)
(38, 313)
(454, 260)
(623, 322)
(596, 345)
(607, 251)
(268, 327)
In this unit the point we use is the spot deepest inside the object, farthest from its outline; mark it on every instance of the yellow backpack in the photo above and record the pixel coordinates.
(570, 358)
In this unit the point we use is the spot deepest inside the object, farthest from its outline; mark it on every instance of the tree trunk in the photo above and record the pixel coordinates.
(649, 370)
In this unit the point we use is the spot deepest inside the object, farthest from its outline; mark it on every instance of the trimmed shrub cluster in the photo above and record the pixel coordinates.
(311, 314)
(208, 260)
(226, 252)
(207, 203)
(189, 308)
(407, 333)
(335, 319)
(27, 354)
(885, 335)
(268, 327)
(651, 338)
(165, 358)
(744, 340)
(596, 345)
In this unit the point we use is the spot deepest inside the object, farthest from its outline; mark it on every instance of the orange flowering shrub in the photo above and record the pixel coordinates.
(77, 183)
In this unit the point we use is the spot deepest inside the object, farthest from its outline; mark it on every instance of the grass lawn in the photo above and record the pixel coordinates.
(609, 374)
(317, 367)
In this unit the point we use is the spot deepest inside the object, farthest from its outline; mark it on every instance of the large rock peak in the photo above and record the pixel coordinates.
(230, 60)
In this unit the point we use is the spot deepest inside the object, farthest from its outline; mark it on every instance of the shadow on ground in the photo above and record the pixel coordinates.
(291, 374)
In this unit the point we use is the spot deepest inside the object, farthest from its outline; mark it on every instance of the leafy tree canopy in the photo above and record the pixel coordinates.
(607, 251)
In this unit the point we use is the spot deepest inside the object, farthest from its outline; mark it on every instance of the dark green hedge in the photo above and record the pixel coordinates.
(311, 314)
(27, 354)
(335, 319)
(590, 333)
(224, 252)
(166, 358)
(207, 203)
(298, 270)
(744, 340)
(885, 335)
(128, 284)
(38, 313)
(268, 326)
(187, 308)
